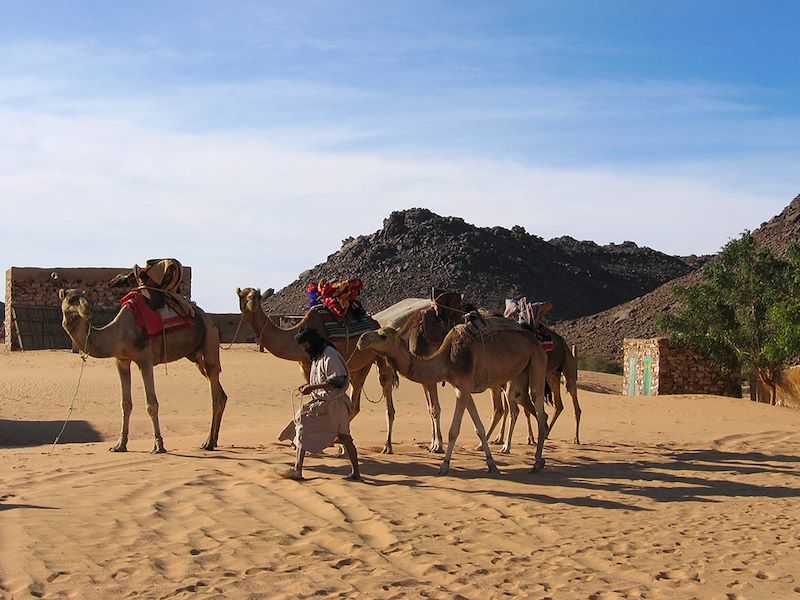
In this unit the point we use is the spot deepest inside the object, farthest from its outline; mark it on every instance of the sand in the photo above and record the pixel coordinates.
(668, 497)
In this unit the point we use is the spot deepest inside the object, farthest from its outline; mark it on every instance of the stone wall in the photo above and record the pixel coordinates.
(657, 366)
(32, 290)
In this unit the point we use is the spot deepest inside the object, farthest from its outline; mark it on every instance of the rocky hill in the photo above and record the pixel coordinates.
(602, 334)
(602, 294)
(417, 250)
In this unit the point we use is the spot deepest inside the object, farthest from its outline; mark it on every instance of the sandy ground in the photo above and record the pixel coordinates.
(668, 497)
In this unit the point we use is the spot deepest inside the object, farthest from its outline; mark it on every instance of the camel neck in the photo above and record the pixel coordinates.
(277, 340)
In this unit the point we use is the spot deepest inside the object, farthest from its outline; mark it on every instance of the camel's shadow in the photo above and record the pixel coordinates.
(37, 433)
(658, 474)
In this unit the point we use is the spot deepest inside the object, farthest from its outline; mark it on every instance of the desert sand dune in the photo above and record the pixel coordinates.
(668, 497)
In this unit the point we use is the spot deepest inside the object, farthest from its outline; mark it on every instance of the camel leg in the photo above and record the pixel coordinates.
(386, 376)
(531, 436)
(455, 428)
(357, 380)
(537, 374)
(498, 414)
(476, 420)
(211, 370)
(554, 379)
(124, 370)
(152, 405)
(572, 388)
(513, 408)
(435, 412)
(357, 384)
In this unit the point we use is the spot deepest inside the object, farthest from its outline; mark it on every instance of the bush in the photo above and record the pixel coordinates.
(599, 364)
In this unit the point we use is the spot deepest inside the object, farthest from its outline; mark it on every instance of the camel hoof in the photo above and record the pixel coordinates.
(576, 441)
(493, 470)
(436, 449)
(497, 441)
(118, 448)
(208, 446)
(387, 449)
(505, 450)
(538, 466)
(443, 470)
(531, 442)
(158, 449)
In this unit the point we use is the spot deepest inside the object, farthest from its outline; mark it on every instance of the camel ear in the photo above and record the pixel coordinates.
(238, 291)
(61, 293)
(259, 291)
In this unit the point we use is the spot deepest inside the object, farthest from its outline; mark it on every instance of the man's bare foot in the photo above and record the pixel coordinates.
(292, 474)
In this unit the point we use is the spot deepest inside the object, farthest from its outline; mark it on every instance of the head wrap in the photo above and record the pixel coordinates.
(311, 336)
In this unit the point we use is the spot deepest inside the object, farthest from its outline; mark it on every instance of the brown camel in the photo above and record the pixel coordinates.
(423, 331)
(560, 361)
(281, 343)
(473, 359)
(125, 341)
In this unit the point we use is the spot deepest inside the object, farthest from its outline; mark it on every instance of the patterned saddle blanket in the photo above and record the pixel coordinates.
(348, 327)
(154, 322)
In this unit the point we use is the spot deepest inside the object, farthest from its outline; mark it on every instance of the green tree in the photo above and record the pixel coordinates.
(745, 312)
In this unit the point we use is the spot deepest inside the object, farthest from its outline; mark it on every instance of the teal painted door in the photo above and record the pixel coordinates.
(632, 364)
(647, 379)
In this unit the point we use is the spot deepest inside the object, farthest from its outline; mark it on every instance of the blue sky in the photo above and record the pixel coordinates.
(248, 139)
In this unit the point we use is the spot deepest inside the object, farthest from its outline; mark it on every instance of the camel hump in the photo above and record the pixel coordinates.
(448, 307)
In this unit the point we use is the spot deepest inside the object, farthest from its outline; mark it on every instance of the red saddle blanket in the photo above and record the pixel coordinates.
(152, 321)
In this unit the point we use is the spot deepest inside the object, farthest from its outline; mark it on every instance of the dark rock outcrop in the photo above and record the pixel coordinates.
(417, 250)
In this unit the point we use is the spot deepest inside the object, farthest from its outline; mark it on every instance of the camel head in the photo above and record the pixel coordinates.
(380, 340)
(250, 299)
(75, 304)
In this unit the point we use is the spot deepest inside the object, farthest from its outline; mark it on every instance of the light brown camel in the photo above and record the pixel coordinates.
(560, 361)
(125, 341)
(423, 331)
(281, 343)
(473, 359)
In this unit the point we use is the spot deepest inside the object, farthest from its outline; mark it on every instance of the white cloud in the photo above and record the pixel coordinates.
(242, 210)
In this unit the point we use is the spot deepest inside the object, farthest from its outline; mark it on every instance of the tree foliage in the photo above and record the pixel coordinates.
(745, 312)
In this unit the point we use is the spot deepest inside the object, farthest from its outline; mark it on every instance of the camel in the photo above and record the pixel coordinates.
(473, 359)
(423, 331)
(125, 341)
(281, 343)
(560, 361)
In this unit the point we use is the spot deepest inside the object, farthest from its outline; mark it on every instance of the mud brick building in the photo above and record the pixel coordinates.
(658, 366)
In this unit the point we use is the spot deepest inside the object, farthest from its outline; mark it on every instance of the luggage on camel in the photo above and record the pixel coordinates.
(531, 314)
(155, 300)
(337, 303)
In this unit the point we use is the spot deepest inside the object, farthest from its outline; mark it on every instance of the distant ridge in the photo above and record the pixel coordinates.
(417, 250)
(601, 334)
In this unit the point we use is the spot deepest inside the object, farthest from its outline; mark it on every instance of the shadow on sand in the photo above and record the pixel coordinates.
(38, 433)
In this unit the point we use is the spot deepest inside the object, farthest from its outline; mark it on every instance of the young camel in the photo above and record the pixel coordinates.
(472, 360)
(560, 361)
(282, 344)
(423, 331)
(125, 341)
